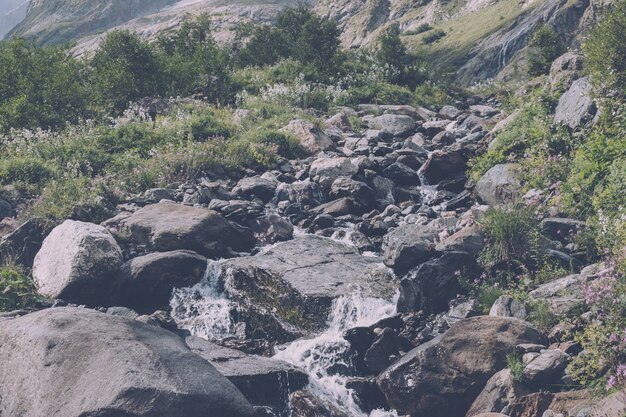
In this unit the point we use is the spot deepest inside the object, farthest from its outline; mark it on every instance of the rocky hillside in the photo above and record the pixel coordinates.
(479, 38)
(11, 13)
(338, 292)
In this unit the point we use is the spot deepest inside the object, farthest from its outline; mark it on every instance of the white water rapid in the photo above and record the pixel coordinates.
(204, 311)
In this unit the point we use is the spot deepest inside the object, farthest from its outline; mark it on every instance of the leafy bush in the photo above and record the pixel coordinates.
(605, 50)
(123, 69)
(549, 47)
(39, 87)
(16, 288)
(28, 170)
(403, 68)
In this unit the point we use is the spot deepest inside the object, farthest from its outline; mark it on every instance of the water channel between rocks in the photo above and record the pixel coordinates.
(205, 312)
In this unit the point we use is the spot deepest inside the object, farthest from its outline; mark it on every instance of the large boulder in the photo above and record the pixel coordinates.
(395, 125)
(408, 245)
(310, 136)
(145, 283)
(576, 107)
(499, 185)
(256, 187)
(442, 166)
(327, 170)
(168, 226)
(74, 362)
(77, 262)
(430, 286)
(263, 381)
(545, 368)
(442, 377)
(565, 69)
(298, 280)
(564, 295)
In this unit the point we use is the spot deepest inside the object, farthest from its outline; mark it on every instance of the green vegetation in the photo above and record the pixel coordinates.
(549, 47)
(16, 288)
(605, 50)
(433, 36)
(515, 365)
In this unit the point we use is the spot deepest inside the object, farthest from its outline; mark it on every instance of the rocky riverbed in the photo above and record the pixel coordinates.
(330, 286)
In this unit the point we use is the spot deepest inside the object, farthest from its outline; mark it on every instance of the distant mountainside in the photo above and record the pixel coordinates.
(11, 13)
(479, 38)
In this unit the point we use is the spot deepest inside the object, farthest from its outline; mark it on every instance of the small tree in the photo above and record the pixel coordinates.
(124, 69)
(402, 67)
(549, 47)
(605, 50)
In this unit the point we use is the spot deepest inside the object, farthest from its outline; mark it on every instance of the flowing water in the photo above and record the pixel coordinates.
(205, 312)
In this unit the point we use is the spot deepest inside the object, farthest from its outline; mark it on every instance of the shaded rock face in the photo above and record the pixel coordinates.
(77, 262)
(499, 393)
(442, 377)
(56, 21)
(80, 363)
(306, 404)
(263, 381)
(297, 281)
(145, 283)
(430, 286)
(22, 244)
(576, 108)
(168, 226)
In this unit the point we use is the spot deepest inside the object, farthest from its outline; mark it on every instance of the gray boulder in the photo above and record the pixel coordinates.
(327, 170)
(78, 263)
(576, 107)
(396, 125)
(168, 226)
(358, 191)
(408, 245)
(430, 286)
(74, 362)
(310, 136)
(500, 392)
(145, 283)
(297, 281)
(22, 244)
(499, 185)
(565, 69)
(442, 377)
(563, 295)
(545, 368)
(469, 239)
(263, 381)
(442, 166)
(256, 187)
(506, 306)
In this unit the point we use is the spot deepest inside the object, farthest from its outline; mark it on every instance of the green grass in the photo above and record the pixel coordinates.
(463, 32)
(16, 288)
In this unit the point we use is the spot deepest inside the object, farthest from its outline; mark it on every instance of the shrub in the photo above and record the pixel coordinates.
(123, 69)
(16, 288)
(402, 67)
(39, 87)
(510, 236)
(605, 50)
(286, 145)
(27, 170)
(549, 46)
(515, 365)
(208, 125)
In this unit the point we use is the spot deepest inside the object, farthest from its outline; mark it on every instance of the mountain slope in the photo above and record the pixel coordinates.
(479, 38)
(11, 13)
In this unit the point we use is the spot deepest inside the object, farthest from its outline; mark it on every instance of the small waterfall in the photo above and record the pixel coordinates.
(328, 350)
(205, 311)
